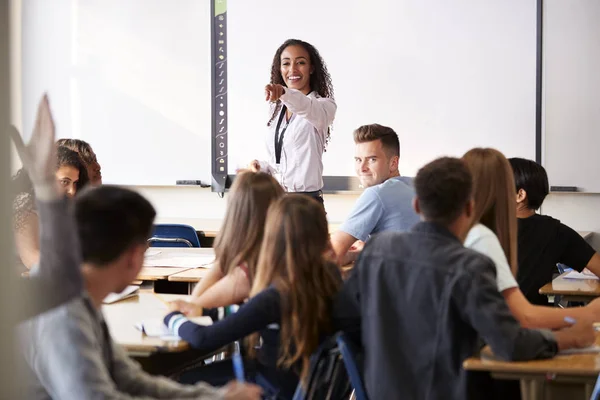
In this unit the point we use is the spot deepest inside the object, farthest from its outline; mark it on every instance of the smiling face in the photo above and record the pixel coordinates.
(67, 177)
(296, 68)
(373, 165)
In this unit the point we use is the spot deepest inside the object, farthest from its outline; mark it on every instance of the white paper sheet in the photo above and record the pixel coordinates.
(180, 261)
(589, 349)
(155, 327)
(580, 275)
(129, 291)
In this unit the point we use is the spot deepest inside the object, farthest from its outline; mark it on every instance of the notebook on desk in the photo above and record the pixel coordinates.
(129, 291)
(155, 327)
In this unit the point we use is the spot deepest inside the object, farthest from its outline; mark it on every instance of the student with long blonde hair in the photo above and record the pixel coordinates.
(237, 244)
(293, 303)
(495, 235)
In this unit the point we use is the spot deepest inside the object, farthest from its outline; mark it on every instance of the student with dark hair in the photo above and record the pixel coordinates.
(302, 111)
(71, 172)
(451, 295)
(88, 157)
(385, 205)
(57, 278)
(543, 241)
(113, 225)
(70, 175)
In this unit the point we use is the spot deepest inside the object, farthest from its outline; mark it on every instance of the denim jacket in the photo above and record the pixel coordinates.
(425, 300)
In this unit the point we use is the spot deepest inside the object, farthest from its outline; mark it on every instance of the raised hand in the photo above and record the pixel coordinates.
(39, 155)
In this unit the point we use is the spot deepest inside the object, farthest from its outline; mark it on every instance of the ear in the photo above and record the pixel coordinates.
(135, 257)
(312, 69)
(470, 208)
(415, 205)
(521, 196)
(394, 161)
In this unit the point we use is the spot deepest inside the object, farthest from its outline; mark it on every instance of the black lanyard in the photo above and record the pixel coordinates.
(279, 135)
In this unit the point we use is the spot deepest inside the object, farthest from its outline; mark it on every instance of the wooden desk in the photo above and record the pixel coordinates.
(166, 270)
(169, 252)
(572, 289)
(158, 273)
(122, 315)
(191, 275)
(579, 370)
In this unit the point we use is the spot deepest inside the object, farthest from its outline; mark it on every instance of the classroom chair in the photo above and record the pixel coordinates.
(174, 235)
(327, 378)
(350, 353)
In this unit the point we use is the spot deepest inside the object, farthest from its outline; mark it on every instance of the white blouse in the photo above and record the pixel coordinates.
(301, 164)
(481, 238)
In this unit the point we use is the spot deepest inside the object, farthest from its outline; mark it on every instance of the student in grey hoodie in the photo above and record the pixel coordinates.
(68, 350)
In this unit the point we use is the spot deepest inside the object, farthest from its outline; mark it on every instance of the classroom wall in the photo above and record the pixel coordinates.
(580, 211)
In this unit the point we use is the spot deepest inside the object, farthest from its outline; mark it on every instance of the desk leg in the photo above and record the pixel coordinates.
(532, 389)
(589, 389)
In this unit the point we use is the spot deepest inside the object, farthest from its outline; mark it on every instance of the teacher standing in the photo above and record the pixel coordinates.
(302, 112)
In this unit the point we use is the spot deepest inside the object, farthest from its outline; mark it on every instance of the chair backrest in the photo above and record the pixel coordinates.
(350, 355)
(327, 378)
(174, 235)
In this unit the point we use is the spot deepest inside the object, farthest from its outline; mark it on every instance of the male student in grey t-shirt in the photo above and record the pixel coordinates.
(386, 203)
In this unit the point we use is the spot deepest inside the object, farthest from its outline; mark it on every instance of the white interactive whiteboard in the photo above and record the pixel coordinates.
(571, 70)
(132, 77)
(446, 75)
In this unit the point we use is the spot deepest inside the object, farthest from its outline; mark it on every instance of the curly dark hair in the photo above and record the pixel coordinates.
(66, 156)
(82, 148)
(23, 198)
(22, 189)
(320, 80)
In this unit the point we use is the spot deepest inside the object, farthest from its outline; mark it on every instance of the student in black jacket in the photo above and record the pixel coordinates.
(425, 299)
(543, 241)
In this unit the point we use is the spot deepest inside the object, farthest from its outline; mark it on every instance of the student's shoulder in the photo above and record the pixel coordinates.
(387, 243)
(69, 319)
(475, 263)
(478, 233)
(397, 186)
(540, 221)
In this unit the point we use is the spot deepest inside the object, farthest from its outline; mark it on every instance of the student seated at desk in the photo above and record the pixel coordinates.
(238, 243)
(385, 205)
(425, 299)
(71, 176)
(68, 350)
(293, 302)
(88, 157)
(58, 278)
(542, 240)
(495, 235)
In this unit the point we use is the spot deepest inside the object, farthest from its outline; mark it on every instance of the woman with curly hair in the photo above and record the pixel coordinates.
(71, 176)
(88, 157)
(302, 111)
